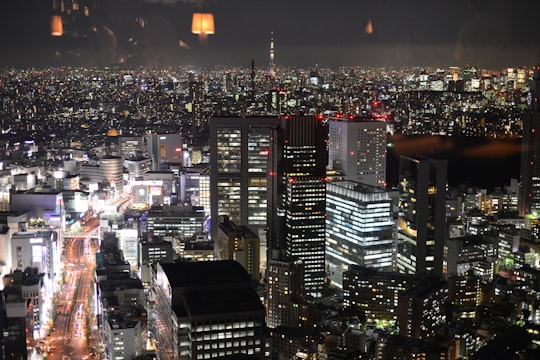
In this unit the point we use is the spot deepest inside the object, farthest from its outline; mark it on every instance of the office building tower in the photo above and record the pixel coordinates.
(360, 228)
(357, 148)
(422, 229)
(285, 290)
(238, 170)
(297, 189)
(164, 149)
(422, 309)
(196, 105)
(207, 309)
(137, 166)
(530, 150)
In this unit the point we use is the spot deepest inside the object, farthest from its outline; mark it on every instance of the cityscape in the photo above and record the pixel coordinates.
(163, 199)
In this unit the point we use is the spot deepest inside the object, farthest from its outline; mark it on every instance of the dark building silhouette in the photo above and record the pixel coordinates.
(530, 150)
(422, 215)
(207, 309)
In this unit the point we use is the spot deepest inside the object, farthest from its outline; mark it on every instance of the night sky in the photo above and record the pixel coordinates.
(486, 33)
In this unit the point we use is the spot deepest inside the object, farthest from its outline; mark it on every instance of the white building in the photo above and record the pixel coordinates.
(357, 149)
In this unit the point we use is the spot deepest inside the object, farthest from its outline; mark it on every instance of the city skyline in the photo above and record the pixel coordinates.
(385, 33)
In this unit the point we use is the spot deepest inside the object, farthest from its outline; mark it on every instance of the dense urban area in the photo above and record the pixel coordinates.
(156, 213)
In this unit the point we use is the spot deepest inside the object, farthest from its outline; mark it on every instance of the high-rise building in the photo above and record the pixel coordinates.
(297, 188)
(238, 170)
(196, 93)
(360, 228)
(207, 309)
(165, 149)
(530, 150)
(422, 215)
(285, 288)
(357, 148)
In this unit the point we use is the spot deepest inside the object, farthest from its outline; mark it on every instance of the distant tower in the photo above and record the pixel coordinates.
(196, 92)
(530, 150)
(272, 66)
(253, 77)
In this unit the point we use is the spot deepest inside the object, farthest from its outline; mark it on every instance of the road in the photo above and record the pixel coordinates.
(70, 332)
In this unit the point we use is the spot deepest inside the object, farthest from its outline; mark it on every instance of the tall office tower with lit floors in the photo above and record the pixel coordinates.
(357, 148)
(360, 228)
(530, 150)
(422, 216)
(297, 189)
(238, 172)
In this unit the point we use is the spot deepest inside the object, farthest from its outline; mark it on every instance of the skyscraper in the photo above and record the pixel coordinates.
(285, 287)
(297, 189)
(238, 170)
(360, 228)
(530, 150)
(357, 148)
(422, 215)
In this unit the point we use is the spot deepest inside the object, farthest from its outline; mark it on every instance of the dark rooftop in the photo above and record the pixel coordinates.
(187, 274)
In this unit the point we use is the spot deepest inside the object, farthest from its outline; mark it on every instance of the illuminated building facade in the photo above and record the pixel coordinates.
(238, 169)
(422, 309)
(285, 290)
(530, 150)
(131, 146)
(360, 228)
(137, 166)
(194, 187)
(196, 92)
(422, 229)
(473, 252)
(180, 222)
(297, 188)
(240, 243)
(207, 309)
(465, 294)
(164, 149)
(374, 292)
(357, 149)
(112, 170)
